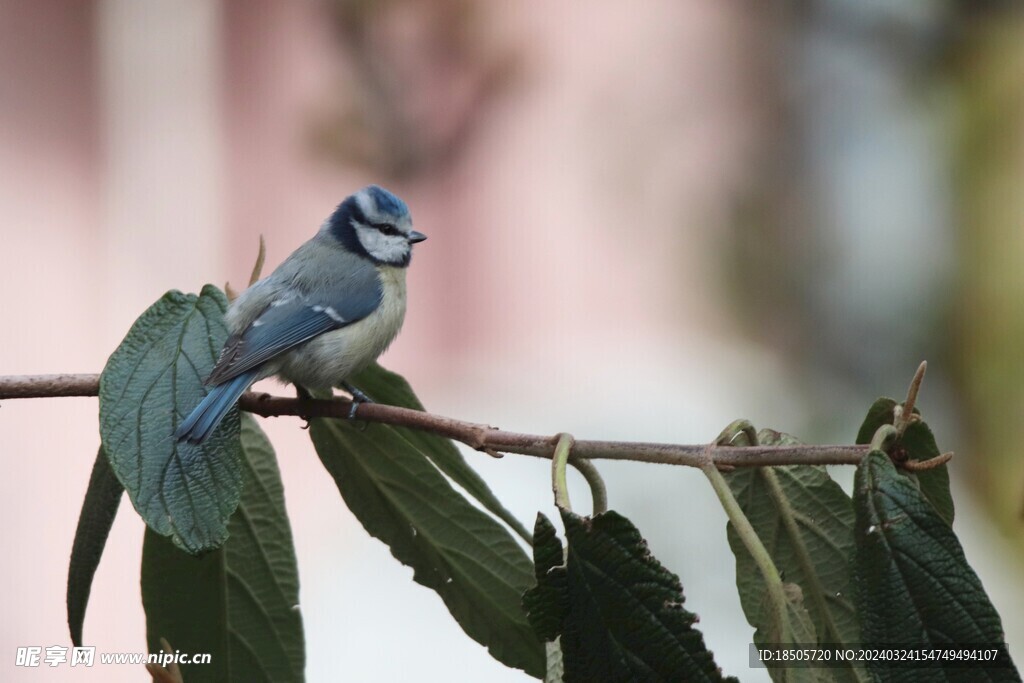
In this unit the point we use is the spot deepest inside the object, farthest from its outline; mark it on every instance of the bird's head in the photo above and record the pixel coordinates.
(375, 224)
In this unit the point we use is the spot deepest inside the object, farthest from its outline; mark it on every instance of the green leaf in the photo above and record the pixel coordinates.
(802, 631)
(912, 583)
(805, 521)
(262, 570)
(454, 548)
(240, 602)
(546, 603)
(185, 598)
(918, 443)
(391, 388)
(150, 383)
(102, 498)
(880, 413)
(626, 620)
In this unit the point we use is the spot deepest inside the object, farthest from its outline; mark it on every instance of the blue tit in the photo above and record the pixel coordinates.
(328, 311)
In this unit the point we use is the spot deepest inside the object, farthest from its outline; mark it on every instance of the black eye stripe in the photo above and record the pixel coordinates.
(386, 228)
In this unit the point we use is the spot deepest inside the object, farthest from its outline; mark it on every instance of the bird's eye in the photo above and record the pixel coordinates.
(386, 228)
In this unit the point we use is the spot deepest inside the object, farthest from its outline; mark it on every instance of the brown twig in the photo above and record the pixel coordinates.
(46, 386)
(929, 464)
(478, 436)
(905, 413)
(261, 257)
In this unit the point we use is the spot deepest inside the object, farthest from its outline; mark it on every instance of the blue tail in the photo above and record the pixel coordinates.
(198, 426)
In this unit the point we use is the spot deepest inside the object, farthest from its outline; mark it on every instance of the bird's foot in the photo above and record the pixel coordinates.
(358, 397)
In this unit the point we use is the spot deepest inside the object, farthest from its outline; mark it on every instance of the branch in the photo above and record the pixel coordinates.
(46, 386)
(478, 436)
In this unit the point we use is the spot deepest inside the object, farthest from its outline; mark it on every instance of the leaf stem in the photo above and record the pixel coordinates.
(558, 462)
(884, 439)
(598, 491)
(751, 541)
(803, 556)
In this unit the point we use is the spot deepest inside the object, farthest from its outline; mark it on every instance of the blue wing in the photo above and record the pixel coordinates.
(296, 318)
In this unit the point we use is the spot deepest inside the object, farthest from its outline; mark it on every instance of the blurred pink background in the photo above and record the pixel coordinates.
(644, 222)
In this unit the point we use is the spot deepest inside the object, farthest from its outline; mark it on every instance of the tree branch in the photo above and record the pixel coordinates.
(46, 386)
(478, 436)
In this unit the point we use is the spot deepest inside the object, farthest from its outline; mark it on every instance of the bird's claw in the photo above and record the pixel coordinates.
(358, 397)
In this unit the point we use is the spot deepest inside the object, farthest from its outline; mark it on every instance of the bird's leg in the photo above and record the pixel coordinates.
(356, 393)
(302, 393)
(357, 398)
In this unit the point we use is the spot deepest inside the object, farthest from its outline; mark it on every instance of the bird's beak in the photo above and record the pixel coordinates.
(415, 237)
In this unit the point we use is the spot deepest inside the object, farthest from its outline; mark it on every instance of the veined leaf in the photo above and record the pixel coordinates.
(546, 603)
(912, 583)
(880, 413)
(805, 522)
(185, 598)
(918, 443)
(150, 383)
(102, 498)
(240, 602)
(803, 631)
(391, 388)
(454, 548)
(934, 483)
(625, 619)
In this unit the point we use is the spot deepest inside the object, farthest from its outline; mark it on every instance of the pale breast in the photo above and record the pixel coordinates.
(326, 361)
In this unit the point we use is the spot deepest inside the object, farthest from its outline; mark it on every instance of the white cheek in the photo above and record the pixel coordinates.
(392, 248)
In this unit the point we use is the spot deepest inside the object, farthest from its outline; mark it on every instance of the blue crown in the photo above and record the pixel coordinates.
(386, 201)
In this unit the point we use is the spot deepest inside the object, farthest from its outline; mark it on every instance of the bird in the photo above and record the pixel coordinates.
(328, 311)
